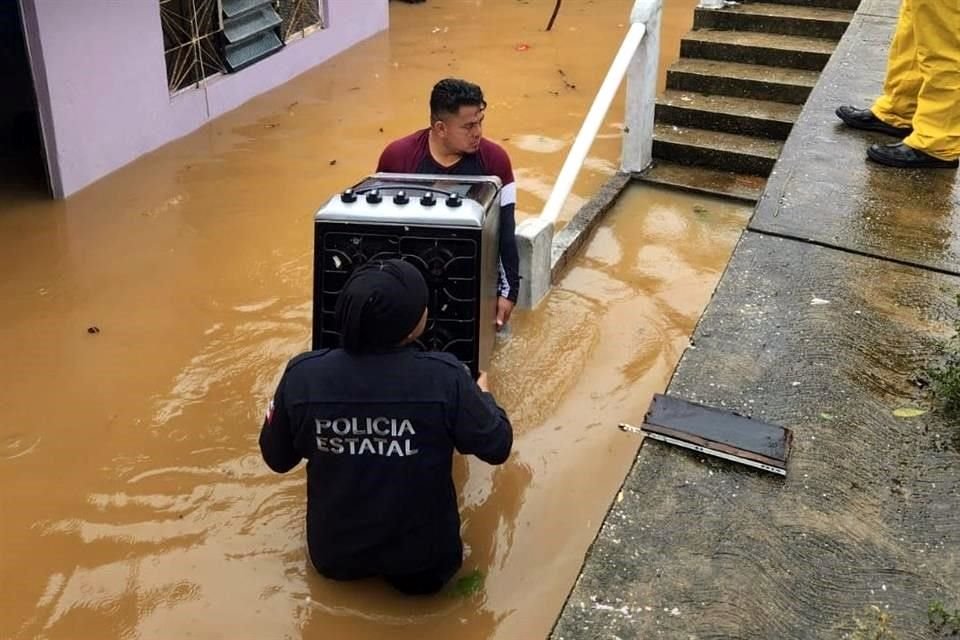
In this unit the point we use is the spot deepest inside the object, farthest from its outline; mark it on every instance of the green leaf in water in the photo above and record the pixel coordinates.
(827, 416)
(701, 211)
(908, 412)
(469, 584)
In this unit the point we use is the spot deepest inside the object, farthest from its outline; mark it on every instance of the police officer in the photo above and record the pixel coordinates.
(377, 422)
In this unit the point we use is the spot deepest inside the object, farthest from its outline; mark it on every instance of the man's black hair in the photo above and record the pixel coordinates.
(450, 94)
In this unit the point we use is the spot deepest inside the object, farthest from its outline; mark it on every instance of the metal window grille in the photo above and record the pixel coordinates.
(191, 41)
(300, 17)
(197, 46)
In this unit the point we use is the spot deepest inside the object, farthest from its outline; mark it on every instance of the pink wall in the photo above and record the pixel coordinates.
(102, 86)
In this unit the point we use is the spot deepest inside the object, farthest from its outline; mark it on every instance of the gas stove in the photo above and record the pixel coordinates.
(446, 226)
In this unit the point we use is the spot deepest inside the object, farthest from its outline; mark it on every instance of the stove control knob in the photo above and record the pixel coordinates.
(374, 196)
(428, 199)
(348, 196)
(401, 198)
(454, 200)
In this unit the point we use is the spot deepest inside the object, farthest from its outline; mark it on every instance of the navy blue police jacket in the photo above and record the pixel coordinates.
(378, 433)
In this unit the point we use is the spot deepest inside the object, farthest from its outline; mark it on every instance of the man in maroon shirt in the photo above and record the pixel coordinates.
(454, 144)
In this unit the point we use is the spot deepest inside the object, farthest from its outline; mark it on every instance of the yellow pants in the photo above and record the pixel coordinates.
(922, 87)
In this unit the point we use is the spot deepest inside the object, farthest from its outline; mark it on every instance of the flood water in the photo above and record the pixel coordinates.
(146, 320)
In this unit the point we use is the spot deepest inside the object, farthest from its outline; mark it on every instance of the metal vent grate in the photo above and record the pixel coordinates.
(251, 50)
(250, 23)
(233, 8)
(250, 31)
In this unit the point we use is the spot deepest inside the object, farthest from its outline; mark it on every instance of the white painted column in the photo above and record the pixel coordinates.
(535, 246)
(642, 89)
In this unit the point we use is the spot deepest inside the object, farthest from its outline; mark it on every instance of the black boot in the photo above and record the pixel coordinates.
(864, 119)
(900, 155)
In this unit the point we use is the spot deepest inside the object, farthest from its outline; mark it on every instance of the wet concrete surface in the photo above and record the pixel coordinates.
(885, 8)
(725, 113)
(824, 190)
(788, 19)
(145, 321)
(745, 154)
(825, 343)
(728, 184)
(759, 82)
(825, 331)
(796, 52)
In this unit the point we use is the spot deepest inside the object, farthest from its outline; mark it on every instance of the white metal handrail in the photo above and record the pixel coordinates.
(637, 60)
(645, 14)
(593, 121)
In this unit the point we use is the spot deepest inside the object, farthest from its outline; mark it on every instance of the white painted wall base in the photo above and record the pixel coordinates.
(535, 245)
(642, 90)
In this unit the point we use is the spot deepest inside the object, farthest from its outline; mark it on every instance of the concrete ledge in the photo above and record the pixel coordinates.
(703, 181)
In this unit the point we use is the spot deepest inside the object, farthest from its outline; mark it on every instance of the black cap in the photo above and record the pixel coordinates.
(380, 305)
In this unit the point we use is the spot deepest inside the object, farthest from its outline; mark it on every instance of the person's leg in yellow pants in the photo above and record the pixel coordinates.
(922, 87)
(902, 84)
(936, 123)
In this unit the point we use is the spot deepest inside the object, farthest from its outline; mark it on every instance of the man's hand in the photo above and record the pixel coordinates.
(482, 382)
(504, 309)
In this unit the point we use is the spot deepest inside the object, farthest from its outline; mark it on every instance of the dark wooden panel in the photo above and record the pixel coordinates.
(710, 427)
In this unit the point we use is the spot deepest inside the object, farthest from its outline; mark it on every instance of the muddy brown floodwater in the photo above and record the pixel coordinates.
(134, 501)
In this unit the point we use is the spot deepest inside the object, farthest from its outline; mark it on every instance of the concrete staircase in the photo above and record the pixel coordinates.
(742, 78)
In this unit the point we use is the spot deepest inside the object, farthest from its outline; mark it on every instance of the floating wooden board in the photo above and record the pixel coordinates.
(719, 433)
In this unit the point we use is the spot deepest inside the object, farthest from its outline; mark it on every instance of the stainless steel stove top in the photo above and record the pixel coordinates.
(414, 199)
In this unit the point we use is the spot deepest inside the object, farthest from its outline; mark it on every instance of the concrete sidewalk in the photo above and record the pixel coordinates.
(832, 304)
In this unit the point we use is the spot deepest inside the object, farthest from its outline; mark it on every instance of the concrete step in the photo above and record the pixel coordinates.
(724, 113)
(741, 80)
(715, 149)
(794, 20)
(831, 4)
(705, 180)
(775, 50)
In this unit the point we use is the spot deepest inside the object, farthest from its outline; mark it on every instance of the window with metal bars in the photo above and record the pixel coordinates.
(191, 41)
(202, 38)
(300, 17)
